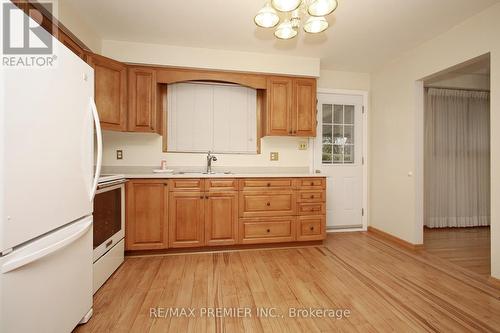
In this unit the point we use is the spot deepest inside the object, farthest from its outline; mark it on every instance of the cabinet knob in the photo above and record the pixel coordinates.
(268, 230)
(312, 228)
(312, 196)
(312, 183)
(268, 204)
(206, 197)
(268, 184)
(201, 197)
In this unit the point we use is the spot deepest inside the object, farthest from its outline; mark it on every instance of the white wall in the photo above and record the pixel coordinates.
(146, 150)
(330, 79)
(70, 18)
(169, 55)
(463, 81)
(395, 143)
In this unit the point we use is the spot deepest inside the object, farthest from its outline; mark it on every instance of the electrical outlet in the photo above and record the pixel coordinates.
(302, 145)
(119, 154)
(275, 156)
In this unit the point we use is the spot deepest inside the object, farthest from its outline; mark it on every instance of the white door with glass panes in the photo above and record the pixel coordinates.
(338, 154)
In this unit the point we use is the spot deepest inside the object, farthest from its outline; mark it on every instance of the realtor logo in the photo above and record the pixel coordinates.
(22, 35)
(25, 43)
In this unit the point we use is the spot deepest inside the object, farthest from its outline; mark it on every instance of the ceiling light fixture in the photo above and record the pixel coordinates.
(267, 17)
(322, 7)
(291, 12)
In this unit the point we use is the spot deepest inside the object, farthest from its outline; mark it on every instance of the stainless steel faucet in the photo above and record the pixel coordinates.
(210, 158)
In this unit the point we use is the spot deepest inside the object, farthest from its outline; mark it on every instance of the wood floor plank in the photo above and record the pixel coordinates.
(386, 288)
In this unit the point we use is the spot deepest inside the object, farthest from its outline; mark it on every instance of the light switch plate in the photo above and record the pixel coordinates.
(119, 154)
(275, 156)
(303, 145)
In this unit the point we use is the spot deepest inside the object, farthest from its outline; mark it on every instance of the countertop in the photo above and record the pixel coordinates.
(145, 172)
(220, 175)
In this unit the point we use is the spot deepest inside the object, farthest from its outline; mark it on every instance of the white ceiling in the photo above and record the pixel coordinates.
(363, 35)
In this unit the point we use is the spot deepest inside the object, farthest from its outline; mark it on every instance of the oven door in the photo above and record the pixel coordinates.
(109, 217)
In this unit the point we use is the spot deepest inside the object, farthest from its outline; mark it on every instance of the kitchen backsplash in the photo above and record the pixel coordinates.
(142, 149)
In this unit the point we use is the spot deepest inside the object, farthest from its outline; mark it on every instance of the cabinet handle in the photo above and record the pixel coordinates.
(268, 230)
(268, 204)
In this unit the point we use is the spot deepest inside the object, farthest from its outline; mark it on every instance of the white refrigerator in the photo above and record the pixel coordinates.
(47, 185)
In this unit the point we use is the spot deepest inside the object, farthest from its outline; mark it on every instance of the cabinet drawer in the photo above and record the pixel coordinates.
(267, 203)
(311, 196)
(310, 228)
(266, 183)
(267, 230)
(311, 183)
(306, 208)
(186, 185)
(221, 185)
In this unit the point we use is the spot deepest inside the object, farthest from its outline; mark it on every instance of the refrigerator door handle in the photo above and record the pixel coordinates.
(34, 252)
(95, 115)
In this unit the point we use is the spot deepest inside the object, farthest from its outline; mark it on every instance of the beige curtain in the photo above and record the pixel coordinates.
(457, 158)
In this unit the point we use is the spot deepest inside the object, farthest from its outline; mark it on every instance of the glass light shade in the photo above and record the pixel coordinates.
(322, 7)
(285, 30)
(267, 17)
(286, 5)
(315, 25)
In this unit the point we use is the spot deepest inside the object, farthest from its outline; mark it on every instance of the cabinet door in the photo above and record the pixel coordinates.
(146, 223)
(221, 218)
(279, 106)
(110, 91)
(186, 219)
(304, 107)
(143, 109)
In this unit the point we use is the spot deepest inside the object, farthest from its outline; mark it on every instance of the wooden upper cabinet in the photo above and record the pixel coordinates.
(110, 91)
(71, 44)
(304, 107)
(291, 107)
(279, 106)
(146, 215)
(221, 218)
(143, 111)
(186, 219)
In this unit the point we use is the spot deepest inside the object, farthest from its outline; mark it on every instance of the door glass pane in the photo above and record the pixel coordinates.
(327, 154)
(348, 154)
(349, 114)
(349, 134)
(338, 136)
(327, 114)
(327, 134)
(338, 114)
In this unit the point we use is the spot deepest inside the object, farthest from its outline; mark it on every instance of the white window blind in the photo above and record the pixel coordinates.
(216, 117)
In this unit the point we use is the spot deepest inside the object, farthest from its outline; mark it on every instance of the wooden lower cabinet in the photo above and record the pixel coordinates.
(221, 218)
(310, 228)
(267, 230)
(146, 215)
(190, 213)
(186, 219)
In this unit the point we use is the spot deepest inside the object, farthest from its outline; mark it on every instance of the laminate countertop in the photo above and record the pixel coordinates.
(186, 172)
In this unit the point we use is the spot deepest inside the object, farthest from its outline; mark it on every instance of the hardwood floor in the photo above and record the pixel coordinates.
(385, 288)
(468, 248)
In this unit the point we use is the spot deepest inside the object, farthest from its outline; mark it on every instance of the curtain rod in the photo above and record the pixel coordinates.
(453, 88)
